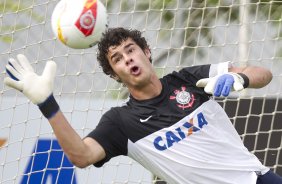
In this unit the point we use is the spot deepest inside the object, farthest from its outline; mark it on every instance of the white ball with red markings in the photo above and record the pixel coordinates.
(79, 24)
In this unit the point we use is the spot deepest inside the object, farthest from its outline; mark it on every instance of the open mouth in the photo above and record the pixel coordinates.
(135, 70)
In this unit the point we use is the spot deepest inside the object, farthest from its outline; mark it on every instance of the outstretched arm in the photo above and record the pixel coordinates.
(39, 89)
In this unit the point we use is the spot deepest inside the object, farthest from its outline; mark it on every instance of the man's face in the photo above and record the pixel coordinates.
(130, 63)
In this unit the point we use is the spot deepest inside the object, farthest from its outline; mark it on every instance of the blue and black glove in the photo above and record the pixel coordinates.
(37, 88)
(223, 84)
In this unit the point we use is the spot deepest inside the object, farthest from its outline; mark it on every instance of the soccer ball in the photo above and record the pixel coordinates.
(79, 24)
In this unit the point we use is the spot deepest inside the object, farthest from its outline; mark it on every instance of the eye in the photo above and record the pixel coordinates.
(130, 50)
(117, 59)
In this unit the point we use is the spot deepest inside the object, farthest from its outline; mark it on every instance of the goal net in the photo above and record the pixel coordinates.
(180, 33)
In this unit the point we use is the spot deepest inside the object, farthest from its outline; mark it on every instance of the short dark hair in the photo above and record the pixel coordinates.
(114, 37)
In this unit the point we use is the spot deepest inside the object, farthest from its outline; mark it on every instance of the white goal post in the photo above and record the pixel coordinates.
(180, 33)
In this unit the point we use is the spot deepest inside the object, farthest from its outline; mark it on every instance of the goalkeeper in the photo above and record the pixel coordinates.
(172, 125)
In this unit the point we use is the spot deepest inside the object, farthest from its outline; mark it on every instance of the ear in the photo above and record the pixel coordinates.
(147, 53)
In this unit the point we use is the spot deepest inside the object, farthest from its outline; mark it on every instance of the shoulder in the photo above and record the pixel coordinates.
(191, 73)
(113, 114)
(208, 70)
(197, 70)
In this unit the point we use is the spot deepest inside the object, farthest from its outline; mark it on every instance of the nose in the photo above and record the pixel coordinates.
(128, 60)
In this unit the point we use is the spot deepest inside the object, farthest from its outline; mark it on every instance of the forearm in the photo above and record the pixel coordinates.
(258, 76)
(71, 143)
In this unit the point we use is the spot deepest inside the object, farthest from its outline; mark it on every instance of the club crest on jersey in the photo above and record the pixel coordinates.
(183, 98)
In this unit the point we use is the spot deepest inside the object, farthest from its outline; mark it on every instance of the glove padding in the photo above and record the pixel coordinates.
(222, 84)
(23, 78)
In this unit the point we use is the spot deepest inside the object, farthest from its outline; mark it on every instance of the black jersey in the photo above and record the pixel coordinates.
(149, 130)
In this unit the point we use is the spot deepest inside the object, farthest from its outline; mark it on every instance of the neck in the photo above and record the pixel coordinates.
(148, 91)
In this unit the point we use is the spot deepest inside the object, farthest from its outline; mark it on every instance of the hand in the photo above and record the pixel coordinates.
(23, 78)
(222, 84)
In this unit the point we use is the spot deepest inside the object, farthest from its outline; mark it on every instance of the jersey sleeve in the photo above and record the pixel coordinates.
(110, 137)
(199, 71)
(206, 71)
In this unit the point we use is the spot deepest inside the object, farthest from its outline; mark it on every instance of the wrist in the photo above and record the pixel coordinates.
(245, 79)
(49, 107)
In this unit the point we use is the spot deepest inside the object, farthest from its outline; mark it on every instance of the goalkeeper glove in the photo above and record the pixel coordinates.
(36, 88)
(224, 83)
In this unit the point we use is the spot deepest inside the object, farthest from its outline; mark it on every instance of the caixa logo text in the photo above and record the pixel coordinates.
(174, 136)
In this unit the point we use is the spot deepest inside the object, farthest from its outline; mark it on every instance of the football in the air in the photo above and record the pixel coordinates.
(79, 24)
